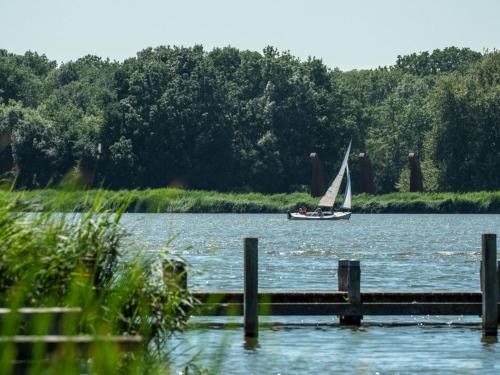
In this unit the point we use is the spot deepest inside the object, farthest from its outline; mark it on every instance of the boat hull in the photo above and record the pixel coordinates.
(334, 216)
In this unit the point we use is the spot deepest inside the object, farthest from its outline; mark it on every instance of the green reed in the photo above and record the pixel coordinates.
(177, 200)
(54, 259)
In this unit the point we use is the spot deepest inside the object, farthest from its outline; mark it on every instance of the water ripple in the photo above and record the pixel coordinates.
(397, 252)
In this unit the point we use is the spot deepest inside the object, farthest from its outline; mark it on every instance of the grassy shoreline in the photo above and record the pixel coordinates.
(193, 201)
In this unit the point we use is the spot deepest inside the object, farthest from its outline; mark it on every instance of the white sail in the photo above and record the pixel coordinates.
(348, 195)
(328, 200)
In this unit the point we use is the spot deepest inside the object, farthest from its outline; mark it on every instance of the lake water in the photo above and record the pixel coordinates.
(397, 253)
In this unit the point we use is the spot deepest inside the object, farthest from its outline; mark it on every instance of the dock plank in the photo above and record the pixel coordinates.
(344, 308)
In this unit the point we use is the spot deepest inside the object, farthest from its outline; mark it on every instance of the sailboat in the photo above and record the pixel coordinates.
(325, 209)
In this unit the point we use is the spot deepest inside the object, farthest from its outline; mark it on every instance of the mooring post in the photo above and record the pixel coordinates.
(354, 281)
(490, 284)
(481, 279)
(354, 289)
(342, 271)
(175, 273)
(251, 318)
(342, 274)
(349, 280)
(498, 281)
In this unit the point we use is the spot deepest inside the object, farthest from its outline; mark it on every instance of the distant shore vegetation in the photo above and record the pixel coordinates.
(237, 120)
(170, 200)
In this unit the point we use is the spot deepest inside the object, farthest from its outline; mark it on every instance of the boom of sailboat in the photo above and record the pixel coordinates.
(325, 209)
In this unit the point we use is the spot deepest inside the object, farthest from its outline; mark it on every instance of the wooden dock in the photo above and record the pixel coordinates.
(348, 302)
(337, 303)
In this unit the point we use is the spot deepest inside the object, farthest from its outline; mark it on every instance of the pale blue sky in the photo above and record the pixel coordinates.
(345, 34)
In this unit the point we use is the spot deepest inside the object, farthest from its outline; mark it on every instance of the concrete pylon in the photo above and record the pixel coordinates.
(318, 179)
(365, 174)
(416, 179)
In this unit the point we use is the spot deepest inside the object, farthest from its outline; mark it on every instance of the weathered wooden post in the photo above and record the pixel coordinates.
(174, 273)
(349, 280)
(498, 281)
(481, 285)
(342, 271)
(251, 318)
(354, 289)
(416, 179)
(342, 274)
(489, 284)
(365, 174)
(317, 180)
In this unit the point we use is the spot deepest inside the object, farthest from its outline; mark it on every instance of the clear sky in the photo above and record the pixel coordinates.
(345, 34)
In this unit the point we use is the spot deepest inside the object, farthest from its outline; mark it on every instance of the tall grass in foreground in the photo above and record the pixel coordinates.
(50, 259)
(183, 201)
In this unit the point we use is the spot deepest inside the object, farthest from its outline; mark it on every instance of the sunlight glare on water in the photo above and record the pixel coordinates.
(397, 253)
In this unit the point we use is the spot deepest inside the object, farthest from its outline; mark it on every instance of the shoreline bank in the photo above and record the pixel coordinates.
(168, 200)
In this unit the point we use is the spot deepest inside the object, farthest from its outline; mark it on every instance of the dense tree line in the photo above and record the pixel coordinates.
(241, 120)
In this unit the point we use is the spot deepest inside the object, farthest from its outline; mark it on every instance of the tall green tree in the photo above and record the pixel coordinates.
(465, 139)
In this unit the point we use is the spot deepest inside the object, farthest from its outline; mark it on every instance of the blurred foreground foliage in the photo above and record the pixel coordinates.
(67, 260)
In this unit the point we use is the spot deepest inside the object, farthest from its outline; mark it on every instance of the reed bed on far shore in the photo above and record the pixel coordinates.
(196, 201)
